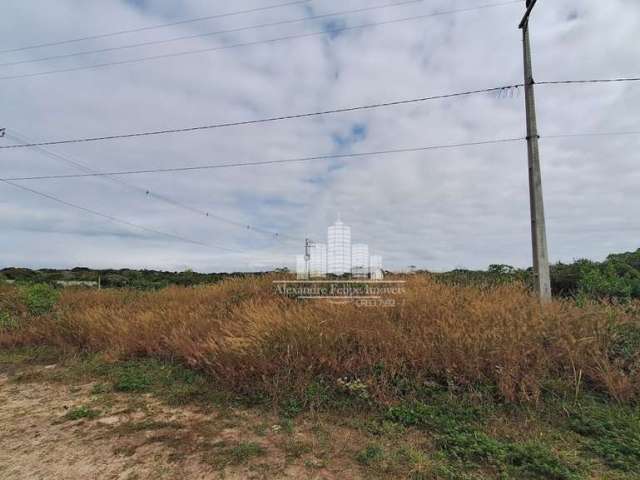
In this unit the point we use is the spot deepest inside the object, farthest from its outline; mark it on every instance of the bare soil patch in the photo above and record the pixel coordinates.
(54, 430)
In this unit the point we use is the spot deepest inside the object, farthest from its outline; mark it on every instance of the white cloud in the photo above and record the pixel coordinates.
(437, 209)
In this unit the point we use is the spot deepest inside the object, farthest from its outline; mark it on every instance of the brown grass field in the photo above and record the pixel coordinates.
(254, 341)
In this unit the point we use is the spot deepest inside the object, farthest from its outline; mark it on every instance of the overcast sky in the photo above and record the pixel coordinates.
(433, 209)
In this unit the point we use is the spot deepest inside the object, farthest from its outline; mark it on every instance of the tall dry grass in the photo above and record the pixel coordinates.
(252, 340)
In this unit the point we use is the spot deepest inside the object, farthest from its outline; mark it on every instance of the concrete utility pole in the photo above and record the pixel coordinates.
(541, 272)
(307, 256)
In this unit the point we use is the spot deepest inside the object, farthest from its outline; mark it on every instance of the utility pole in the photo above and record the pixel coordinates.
(541, 271)
(307, 256)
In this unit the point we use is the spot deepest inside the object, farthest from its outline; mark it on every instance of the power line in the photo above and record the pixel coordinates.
(115, 219)
(118, 220)
(10, 181)
(258, 42)
(593, 134)
(148, 192)
(153, 27)
(312, 158)
(209, 34)
(264, 120)
(312, 114)
(108, 217)
(597, 80)
(272, 162)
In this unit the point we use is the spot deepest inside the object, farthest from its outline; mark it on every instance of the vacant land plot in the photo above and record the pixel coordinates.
(234, 381)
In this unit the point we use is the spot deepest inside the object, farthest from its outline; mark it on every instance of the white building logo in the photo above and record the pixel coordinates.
(338, 257)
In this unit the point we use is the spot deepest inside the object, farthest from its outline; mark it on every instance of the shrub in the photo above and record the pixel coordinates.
(612, 279)
(40, 298)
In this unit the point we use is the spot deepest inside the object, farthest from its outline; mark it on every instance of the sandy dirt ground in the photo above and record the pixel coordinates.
(125, 436)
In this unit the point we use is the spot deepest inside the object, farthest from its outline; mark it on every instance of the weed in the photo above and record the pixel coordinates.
(625, 341)
(146, 425)
(318, 394)
(82, 412)
(295, 448)
(354, 387)
(132, 377)
(8, 322)
(176, 384)
(99, 388)
(292, 407)
(370, 455)
(287, 425)
(235, 455)
(261, 429)
(32, 355)
(125, 450)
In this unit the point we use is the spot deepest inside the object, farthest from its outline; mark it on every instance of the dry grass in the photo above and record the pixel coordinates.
(251, 340)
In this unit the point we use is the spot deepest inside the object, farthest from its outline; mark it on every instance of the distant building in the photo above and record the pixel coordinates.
(360, 260)
(339, 249)
(77, 283)
(318, 260)
(375, 267)
(338, 257)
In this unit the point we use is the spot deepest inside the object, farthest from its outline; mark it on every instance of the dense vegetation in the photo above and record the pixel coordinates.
(618, 277)
(123, 278)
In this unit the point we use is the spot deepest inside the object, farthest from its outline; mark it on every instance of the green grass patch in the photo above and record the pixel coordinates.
(171, 382)
(39, 355)
(81, 412)
(146, 425)
(610, 432)
(244, 451)
(223, 455)
(458, 434)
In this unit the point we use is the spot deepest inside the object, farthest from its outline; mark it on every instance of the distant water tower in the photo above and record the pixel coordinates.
(360, 260)
(339, 249)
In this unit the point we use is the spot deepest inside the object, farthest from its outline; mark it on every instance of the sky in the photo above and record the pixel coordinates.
(439, 209)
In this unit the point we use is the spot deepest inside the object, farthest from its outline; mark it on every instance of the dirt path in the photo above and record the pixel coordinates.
(54, 430)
